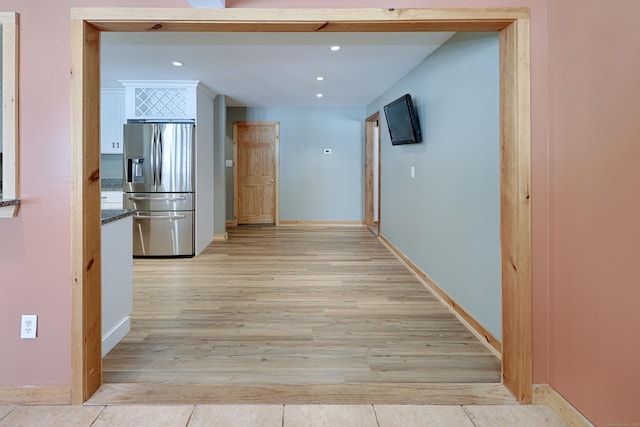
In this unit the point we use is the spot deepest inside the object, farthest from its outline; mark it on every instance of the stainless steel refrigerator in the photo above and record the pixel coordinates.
(159, 184)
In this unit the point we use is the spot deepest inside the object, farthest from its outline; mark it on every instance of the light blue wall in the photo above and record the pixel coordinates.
(313, 186)
(447, 218)
(219, 171)
(111, 166)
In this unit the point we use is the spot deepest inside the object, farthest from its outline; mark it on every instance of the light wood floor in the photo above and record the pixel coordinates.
(292, 305)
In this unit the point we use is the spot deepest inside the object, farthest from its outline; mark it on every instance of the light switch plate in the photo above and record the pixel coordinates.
(228, 163)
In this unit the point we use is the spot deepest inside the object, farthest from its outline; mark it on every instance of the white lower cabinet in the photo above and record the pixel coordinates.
(117, 281)
(111, 200)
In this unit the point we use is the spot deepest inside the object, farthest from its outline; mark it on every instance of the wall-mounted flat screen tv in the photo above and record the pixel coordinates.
(402, 121)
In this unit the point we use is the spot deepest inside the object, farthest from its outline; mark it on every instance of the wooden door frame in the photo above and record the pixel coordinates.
(369, 165)
(513, 25)
(236, 199)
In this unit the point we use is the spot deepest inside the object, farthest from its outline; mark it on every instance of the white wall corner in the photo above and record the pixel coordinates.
(207, 3)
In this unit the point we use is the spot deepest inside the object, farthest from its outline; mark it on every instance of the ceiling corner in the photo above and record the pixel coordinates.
(207, 3)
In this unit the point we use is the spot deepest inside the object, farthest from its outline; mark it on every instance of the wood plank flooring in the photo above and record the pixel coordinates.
(292, 305)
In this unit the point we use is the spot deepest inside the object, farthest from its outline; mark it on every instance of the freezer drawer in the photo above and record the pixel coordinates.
(158, 233)
(158, 201)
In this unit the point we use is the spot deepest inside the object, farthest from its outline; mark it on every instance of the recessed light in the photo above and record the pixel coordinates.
(319, 95)
(319, 78)
(335, 48)
(177, 63)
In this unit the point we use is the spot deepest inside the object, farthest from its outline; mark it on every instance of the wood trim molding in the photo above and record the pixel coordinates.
(547, 395)
(513, 24)
(35, 395)
(369, 169)
(322, 223)
(483, 334)
(289, 19)
(221, 237)
(515, 209)
(86, 316)
(236, 202)
(419, 394)
(276, 208)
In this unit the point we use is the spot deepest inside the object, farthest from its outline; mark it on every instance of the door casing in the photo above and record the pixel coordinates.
(369, 174)
(513, 25)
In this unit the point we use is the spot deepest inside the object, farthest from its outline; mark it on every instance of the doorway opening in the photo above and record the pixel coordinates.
(513, 25)
(372, 173)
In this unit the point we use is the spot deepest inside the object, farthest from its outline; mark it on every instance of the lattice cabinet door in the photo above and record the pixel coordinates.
(160, 100)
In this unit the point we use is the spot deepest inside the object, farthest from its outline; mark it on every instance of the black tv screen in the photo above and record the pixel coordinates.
(402, 121)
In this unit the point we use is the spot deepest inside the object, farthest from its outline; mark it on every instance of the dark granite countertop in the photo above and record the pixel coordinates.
(110, 215)
(9, 207)
(9, 202)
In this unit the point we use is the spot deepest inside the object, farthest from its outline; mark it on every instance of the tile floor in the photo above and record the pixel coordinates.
(279, 416)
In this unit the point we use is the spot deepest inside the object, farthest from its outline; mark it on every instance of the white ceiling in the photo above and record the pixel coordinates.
(271, 69)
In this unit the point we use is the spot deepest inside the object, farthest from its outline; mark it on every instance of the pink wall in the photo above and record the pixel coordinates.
(35, 248)
(584, 191)
(594, 52)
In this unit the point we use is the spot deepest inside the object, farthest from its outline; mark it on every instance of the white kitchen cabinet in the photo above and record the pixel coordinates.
(162, 99)
(112, 119)
(111, 200)
(117, 281)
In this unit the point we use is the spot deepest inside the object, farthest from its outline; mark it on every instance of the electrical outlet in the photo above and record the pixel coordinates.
(29, 326)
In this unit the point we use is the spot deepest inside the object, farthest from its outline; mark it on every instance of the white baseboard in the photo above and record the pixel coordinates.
(545, 394)
(113, 336)
(322, 223)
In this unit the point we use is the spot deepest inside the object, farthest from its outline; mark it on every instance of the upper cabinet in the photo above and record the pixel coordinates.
(160, 99)
(112, 119)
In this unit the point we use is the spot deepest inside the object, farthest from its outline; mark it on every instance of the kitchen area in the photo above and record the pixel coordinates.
(156, 140)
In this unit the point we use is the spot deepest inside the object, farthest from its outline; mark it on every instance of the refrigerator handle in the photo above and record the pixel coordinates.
(173, 216)
(154, 155)
(157, 199)
(160, 149)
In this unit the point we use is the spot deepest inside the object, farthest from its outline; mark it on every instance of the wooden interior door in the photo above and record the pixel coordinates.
(256, 189)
